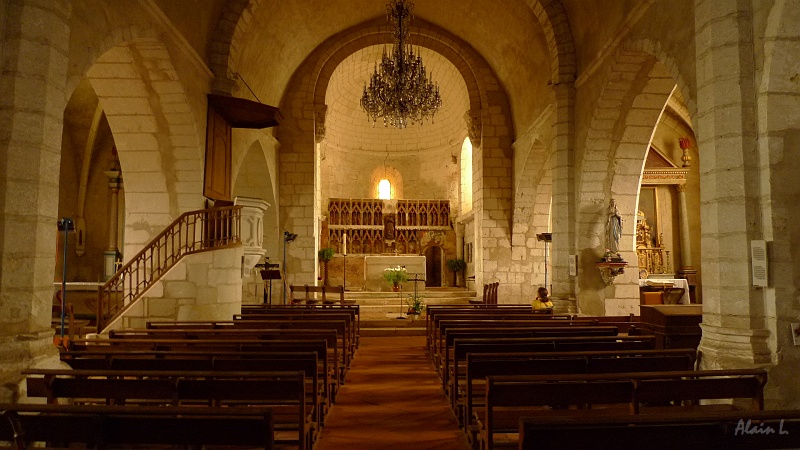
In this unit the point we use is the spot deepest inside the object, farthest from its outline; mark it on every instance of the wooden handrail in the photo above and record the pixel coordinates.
(192, 232)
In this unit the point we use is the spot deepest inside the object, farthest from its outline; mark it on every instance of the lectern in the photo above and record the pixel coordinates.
(270, 274)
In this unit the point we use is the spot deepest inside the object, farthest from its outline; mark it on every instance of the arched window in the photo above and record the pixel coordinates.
(384, 190)
(466, 176)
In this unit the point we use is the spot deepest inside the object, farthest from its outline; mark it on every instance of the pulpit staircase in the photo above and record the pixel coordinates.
(193, 232)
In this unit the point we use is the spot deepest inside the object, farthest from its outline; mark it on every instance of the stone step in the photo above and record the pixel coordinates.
(430, 293)
(393, 325)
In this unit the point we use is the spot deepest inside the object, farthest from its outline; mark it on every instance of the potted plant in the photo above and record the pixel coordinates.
(415, 305)
(456, 266)
(394, 276)
(325, 255)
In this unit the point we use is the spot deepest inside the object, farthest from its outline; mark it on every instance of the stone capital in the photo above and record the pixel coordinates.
(474, 126)
(320, 114)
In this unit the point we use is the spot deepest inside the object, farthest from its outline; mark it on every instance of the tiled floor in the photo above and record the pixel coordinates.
(392, 400)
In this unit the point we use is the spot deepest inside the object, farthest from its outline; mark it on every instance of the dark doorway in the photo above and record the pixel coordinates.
(433, 267)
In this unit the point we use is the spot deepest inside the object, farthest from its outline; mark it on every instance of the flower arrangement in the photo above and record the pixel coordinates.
(609, 255)
(415, 304)
(395, 275)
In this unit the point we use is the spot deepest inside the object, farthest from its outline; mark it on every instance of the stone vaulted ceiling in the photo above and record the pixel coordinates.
(505, 33)
(349, 128)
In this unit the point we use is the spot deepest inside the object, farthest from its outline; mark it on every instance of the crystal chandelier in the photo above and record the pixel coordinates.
(399, 90)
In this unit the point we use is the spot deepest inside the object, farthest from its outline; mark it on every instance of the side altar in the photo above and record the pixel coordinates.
(375, 265)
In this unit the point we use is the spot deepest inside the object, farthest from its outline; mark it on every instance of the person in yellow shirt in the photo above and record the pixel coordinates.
(542, 301)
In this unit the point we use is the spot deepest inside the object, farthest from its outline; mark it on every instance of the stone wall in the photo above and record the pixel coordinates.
(202, 286)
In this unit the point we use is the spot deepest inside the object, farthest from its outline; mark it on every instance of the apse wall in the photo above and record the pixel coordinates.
(428, 175)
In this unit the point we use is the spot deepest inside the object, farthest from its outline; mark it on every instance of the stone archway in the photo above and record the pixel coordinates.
(779, 136)
(637, 88)
(300, 132)
(155, 133)
(532, 202)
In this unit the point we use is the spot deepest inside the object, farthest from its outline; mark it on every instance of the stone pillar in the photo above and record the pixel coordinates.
(474, 123)
(35, 40)
(563, 210)
(112, 253)
(687, 269)
(298, 198)
(734, 333)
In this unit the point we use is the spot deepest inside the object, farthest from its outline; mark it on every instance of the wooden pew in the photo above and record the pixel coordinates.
(750, 430)
(481, 365)
(264, 320)
(445, 322)
(316, 379)
(349, 315)
(288, 330)
(212, 329)
(93, 426)
(508, 398)
(434, 310)
(267, 329)
(289, 342)
(283, 392)
(351, 308)
(484, 314)
(456, 358)
(510, 333)
(335, 292)
(460, 330)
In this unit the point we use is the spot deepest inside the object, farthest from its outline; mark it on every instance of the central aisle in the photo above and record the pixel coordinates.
(392, 400)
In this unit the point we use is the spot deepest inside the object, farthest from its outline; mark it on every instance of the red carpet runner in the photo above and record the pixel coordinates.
(392, 400)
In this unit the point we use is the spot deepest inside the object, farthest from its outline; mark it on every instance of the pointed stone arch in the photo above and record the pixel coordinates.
(533, 195)
(154, 130)
(224, 50)
(639, 81)
(555, 23)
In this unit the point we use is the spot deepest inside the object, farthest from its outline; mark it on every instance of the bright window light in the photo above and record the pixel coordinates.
(384, 190)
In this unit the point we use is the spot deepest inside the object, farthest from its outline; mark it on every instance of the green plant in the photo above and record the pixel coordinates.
(415, 304)
(456, 265)
(326, 254)
(394, 275)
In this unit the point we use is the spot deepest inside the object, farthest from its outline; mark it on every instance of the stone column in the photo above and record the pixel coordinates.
(112, 253)
(563, 210)
(35, 40)
(474, 122)
(734, 333)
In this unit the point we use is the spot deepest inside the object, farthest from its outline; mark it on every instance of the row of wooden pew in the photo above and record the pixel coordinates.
(273, 369)
(507, 371)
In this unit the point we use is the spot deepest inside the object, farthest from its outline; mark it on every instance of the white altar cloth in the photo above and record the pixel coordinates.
(677, 282)
(374, 266)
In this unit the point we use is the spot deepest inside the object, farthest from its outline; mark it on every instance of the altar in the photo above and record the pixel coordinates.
(669, 282)
(374, 266)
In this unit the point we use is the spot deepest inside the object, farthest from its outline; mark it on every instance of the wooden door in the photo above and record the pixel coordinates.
(433, 266)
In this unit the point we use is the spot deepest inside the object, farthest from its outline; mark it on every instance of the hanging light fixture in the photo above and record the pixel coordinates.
(399, 90)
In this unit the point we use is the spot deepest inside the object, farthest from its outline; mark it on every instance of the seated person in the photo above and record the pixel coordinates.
(542, 301)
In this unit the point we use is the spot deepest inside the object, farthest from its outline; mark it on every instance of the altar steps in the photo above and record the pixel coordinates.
(383, 313)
